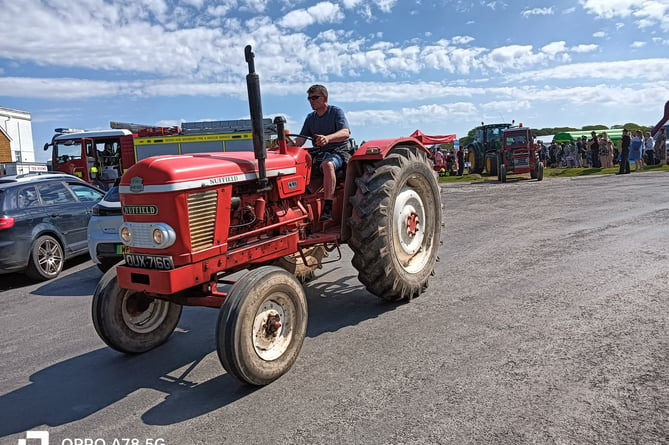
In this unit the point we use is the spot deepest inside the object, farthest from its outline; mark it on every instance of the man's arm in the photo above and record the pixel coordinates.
(338, 136)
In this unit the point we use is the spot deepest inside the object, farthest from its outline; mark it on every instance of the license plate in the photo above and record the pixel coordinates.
(121, 249)
(148, 261)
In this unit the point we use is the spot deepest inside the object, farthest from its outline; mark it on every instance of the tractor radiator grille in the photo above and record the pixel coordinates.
(202, 218)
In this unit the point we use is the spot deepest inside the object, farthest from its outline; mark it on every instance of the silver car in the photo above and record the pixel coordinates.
(104, 243)
(43, 221)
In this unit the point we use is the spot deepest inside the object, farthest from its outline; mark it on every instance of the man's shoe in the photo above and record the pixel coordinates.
(327, 211)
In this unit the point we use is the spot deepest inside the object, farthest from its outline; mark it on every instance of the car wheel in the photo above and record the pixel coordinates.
(46, 259)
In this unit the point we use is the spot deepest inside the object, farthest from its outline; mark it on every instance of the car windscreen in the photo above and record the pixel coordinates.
(113, 194)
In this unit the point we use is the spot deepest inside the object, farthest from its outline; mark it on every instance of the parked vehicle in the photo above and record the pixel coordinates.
(43, 222)
(101, 156)
(483, 149)
(519, 154)
(104, 242)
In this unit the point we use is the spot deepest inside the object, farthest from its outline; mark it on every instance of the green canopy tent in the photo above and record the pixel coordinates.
(614, 134)
(563, 137)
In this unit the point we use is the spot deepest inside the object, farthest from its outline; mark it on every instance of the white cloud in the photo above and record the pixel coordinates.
(323, 12)
(616, 70)
(554, 48)
(646, 13)
(537, 11)
(461, 40)
(496, 5)
(584, 48)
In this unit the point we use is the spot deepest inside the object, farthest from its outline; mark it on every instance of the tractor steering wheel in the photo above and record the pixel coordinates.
(305, 137)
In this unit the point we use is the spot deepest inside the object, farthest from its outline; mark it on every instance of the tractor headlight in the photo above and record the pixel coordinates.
(158, 236)
(125, 234)
(162, 235)
(147, 235)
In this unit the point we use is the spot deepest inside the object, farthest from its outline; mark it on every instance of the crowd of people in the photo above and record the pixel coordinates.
(599, 151)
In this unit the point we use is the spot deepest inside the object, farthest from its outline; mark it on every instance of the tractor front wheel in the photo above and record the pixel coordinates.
(502, 173)
(261, 325)
(130, 321)
(396, 224)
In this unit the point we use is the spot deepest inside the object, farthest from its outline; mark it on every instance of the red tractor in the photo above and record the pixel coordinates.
(519, 154)
(190, 221)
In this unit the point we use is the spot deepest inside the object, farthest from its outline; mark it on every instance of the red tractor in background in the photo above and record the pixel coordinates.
(519, 154)
(190, 221)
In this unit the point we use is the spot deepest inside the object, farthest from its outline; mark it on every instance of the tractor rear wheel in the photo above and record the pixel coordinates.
(475, 165)
(130, 321)
(491, 164)
(396, 224)
(261, 325)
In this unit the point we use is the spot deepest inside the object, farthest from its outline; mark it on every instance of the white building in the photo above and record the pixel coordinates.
(16, 136)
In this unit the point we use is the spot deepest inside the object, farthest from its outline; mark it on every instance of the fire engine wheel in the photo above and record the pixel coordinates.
(129, 321)
(540, 171)
(396, 224)
(296, 265)
(46, 259)
(261, 325)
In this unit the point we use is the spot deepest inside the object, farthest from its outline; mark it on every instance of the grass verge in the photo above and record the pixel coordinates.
(550, 173)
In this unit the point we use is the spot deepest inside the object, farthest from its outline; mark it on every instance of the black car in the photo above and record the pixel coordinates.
(43, 222)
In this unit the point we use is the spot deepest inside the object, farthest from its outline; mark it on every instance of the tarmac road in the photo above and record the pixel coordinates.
(546, 322)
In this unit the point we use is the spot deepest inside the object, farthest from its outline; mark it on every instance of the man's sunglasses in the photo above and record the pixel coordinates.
(314, 97)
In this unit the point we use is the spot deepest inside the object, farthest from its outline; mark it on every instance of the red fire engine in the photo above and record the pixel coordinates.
(101, 156)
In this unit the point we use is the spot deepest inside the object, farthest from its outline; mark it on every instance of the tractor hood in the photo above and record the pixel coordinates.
(201, 170)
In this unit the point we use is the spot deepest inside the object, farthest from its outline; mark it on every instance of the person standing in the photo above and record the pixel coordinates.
(593, 144)
(661, 146)
(553, 149)
(625, 142)
(570, 161)
(579, 152)
(461, 160)
(329, 132)
(584, 152)
(649, 148)
(438, 158)
(636, 153)
(605, 151)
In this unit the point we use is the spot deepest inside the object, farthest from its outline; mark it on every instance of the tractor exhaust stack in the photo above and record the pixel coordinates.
(255, 108)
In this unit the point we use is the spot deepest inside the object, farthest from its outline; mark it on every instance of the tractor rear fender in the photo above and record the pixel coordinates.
(367, 154)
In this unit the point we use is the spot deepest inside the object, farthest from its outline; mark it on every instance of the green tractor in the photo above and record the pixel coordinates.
(483, 149)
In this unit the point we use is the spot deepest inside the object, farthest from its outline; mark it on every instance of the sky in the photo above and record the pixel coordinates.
(440, 66)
